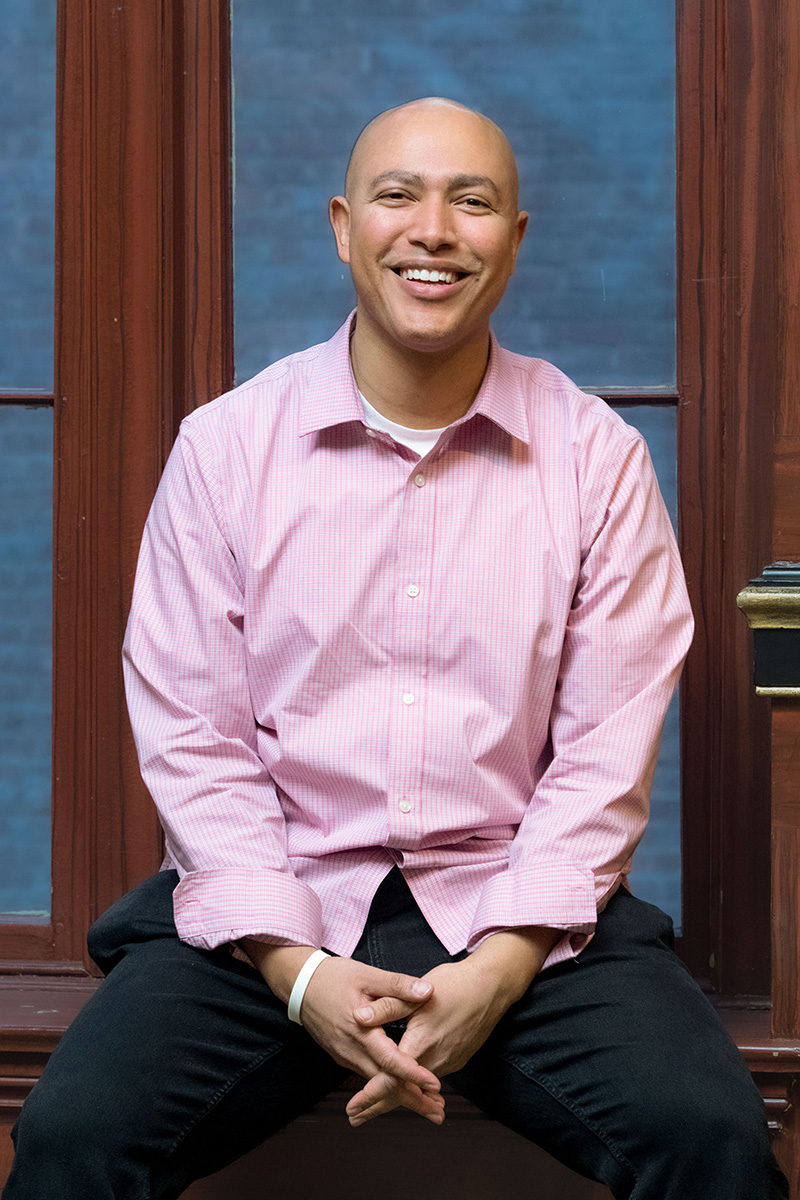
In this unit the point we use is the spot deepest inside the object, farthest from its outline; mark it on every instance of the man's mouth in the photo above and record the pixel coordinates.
(423, 275)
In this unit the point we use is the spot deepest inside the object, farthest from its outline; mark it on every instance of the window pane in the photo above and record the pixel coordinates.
(585, 91)
(656, 874)
(26, 552)
(27, 174)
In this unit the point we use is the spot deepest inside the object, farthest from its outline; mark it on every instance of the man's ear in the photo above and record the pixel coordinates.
(522, 225)
(339, 216)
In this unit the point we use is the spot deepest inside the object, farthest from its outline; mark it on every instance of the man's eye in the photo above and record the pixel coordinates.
(393, 196)
(474, 202)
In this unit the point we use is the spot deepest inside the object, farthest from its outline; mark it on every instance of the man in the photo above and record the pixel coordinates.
(407, 619)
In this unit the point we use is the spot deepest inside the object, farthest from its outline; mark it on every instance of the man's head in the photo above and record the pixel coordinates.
(431, 187)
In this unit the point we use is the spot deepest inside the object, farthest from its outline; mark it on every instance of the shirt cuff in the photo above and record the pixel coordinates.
(215, 907)
(552, 893)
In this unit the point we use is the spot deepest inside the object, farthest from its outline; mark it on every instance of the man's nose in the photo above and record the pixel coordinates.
(432, 226)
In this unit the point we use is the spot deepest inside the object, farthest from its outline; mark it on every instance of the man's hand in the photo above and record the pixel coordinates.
(337, 988)
(468, 1000)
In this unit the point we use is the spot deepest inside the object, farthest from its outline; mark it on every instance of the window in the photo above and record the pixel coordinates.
(27, 210)
(586, 94)
(144, 332)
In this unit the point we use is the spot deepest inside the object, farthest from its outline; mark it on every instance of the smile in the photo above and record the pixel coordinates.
(425, 276)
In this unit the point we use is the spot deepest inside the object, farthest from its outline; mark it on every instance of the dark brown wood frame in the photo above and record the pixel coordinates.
(144, 295)
(728, 363)
(145, 333)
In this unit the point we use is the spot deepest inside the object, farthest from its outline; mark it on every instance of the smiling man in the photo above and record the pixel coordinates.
(400, 226)
(407, 619)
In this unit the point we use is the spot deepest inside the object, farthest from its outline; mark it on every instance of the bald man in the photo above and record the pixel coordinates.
(407, 619)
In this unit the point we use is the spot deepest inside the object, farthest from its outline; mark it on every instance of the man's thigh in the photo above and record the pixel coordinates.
(181, 1062)
(617, 1064)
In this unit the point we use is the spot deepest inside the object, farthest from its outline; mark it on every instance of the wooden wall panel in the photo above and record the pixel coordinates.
(728, 382)
(787, 120)
(143, 334)
(786, 868)
(786, 531)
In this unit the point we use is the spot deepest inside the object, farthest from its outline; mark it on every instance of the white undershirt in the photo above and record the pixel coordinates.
(420, 440)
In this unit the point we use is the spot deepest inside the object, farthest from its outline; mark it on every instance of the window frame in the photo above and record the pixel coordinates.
(144, 333)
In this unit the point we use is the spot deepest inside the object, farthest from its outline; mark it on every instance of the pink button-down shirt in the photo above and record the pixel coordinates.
(342, 657)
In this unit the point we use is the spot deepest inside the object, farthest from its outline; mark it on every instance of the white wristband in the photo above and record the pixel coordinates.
(301, 983)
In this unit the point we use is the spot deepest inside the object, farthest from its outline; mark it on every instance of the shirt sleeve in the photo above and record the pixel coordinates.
(194, 726)
(629, 629)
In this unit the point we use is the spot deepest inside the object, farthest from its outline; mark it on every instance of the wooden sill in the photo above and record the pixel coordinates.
(36, 1009)
(750, 1029)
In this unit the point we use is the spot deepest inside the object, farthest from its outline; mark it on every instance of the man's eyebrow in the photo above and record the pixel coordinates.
(458, 182)
(406, 177)
(454, 184)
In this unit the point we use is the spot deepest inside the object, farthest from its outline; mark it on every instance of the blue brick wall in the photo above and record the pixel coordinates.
(27, 152)
(585, 91)
(26, 552)
(656, 874)
(27, 191)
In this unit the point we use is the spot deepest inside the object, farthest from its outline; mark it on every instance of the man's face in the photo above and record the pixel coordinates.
(431, 189)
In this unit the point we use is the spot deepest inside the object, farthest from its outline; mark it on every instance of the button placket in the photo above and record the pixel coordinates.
(409, 659)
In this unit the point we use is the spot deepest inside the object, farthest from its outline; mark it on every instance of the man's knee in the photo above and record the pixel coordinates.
(65, 1142)
(715, 1131)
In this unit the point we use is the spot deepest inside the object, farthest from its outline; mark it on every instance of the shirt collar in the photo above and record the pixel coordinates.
(332, 398)
(501, 396)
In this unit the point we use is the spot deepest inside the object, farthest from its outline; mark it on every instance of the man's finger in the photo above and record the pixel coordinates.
(381, 1087)
(390, 1058)
(383, 1094)
(385, 1008)
(403, 987)
(373, 1052)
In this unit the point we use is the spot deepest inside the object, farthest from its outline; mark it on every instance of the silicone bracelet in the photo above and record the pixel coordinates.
(301, 983)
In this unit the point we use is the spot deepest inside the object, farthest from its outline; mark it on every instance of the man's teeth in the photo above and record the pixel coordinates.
(426, 276)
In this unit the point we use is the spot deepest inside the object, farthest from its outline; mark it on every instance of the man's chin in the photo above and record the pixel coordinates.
(433, 338)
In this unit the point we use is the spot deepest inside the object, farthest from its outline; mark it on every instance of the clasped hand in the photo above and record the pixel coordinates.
(442, 1034)
(449, 1013)
(468, 999)
(338, 989)
(443, 1031)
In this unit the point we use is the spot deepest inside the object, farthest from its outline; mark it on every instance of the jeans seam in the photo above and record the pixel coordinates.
(576, 1110)
(218, 1095)
(375, 946)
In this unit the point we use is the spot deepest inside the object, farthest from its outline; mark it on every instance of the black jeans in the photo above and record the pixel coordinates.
(184, 1060)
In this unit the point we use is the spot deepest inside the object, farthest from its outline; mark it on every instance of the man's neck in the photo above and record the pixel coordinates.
(416, 389)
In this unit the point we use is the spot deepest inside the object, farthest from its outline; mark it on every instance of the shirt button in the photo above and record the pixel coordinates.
(371, 433)
(412, 590)
(419, 480)
(404, 806)
(408, 697)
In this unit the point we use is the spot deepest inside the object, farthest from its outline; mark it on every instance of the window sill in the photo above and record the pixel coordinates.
(36, 1009)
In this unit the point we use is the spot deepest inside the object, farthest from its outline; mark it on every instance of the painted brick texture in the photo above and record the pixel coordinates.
(585, 93)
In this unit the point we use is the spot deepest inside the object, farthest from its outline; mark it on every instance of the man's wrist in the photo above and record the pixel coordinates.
(279, 965)
(514, 957)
